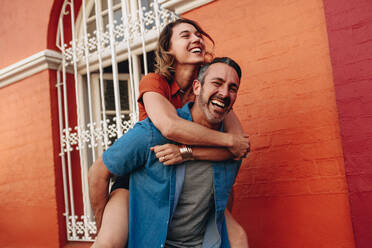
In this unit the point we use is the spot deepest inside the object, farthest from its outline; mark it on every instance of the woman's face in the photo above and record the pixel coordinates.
(187, 44)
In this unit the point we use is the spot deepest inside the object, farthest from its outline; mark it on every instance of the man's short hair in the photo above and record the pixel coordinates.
(224, 60)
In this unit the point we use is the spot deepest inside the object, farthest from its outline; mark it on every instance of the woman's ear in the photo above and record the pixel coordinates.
(196, 87)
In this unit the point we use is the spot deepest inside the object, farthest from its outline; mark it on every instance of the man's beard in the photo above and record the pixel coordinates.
(204, 106)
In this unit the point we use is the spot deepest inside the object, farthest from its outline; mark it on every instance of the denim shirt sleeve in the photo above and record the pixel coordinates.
(130, 151)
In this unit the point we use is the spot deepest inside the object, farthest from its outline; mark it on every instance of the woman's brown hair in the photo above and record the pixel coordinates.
(164, 62)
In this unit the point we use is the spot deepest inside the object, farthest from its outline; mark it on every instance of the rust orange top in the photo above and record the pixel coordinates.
(154, 82)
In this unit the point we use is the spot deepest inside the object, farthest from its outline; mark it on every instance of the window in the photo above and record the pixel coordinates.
(106, 49)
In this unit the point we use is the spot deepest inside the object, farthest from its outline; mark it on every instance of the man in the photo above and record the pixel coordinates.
(176, 206)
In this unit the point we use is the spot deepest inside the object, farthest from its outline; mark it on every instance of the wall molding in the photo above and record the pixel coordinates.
(50, 59)
(181, 6)
(47, 59)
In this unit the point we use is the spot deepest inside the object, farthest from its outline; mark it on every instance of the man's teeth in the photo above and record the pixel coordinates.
(218, 103)
(195, 50)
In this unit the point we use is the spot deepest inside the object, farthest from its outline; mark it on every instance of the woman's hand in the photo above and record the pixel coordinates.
(241, 146)
(168, 154)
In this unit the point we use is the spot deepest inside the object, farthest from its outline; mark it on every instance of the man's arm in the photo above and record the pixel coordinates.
(98, 179)
(127, 154)
(130, 151)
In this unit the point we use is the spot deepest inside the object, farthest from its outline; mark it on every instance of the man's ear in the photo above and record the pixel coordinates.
(196, 87)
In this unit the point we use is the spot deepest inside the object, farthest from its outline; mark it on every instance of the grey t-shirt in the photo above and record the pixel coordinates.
(196, 201)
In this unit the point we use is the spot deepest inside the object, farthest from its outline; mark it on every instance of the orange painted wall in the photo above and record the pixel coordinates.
(25, 25)
(291, 190)
(28, 208)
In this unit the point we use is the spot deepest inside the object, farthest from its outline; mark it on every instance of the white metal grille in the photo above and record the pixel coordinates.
(97, 86)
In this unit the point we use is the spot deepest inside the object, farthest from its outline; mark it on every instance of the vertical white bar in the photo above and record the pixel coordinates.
(86, 52)
(133, 8)
(136, 76)
(142, 28)
(99, 50)
(157, 16)
(114, 69)
(97, 113)
(80, 125)
(127, 37)
(62, 153)
(67, 129)
(84, 168)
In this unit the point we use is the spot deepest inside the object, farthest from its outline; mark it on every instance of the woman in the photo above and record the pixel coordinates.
(180, 52)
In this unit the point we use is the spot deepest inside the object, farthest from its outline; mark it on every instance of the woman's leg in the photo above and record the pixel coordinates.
(237, 236)
(114, 228)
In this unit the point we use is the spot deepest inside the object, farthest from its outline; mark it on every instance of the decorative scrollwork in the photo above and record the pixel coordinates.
(81, 229)
(122, 33)
(101, 132)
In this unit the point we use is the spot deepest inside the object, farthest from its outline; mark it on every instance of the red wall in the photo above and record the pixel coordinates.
(291, 190)
(28, 210)
(349, 26)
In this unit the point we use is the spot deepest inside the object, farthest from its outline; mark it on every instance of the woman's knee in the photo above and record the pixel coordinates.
(240, 239)
(110, 243)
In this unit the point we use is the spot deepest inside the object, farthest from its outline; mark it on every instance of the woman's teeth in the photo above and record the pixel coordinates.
(195, 50)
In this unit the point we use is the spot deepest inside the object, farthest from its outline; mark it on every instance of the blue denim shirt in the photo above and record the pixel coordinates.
(155, 188)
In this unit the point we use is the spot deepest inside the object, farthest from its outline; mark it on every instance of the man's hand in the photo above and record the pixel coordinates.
(241, 146)
(168, 154)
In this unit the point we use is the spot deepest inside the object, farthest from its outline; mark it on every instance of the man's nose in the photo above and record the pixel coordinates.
(223, 91)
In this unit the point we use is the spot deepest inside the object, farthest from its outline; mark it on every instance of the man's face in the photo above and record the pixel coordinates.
(218, 93)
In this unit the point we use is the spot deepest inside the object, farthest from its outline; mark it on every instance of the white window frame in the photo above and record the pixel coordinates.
(97, 101)
(79, 60)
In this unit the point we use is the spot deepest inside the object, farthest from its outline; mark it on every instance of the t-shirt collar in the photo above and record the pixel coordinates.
(174, 88)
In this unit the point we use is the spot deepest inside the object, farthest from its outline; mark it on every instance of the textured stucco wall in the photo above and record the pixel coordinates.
(28, 208)
(291, 190)
(25, 25)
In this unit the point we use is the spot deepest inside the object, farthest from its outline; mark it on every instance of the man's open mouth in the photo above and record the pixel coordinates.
(220, 105)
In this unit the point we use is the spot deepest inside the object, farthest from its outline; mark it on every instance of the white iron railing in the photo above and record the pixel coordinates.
(91, 55)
